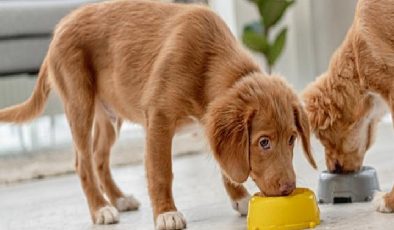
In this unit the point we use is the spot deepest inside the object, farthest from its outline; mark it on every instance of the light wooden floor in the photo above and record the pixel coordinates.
(58, 203)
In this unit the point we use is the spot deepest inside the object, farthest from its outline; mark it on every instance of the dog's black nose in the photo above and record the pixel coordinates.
(338, 168)
(287, 188)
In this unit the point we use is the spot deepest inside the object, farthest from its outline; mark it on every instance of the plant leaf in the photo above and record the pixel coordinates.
(277, 47)
(256, 26)
(272, 10)
(254, 39)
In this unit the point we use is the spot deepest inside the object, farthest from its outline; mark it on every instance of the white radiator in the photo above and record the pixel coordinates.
(16, 89)
(24, 138)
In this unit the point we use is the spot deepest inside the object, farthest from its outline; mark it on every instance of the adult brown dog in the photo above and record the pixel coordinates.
(158, 65)
(345, 103)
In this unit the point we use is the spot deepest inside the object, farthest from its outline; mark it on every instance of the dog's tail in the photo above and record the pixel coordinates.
(32, 107)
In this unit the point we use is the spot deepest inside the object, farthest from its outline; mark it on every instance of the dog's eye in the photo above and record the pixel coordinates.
(265, 143)
(292, 139)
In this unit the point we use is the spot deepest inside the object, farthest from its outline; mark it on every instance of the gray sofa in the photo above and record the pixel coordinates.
(25, 31)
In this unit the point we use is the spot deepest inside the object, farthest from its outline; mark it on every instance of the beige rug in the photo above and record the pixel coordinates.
(58, 162)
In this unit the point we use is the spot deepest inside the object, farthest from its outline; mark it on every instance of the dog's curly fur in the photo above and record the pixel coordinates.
(158, 65)
(345, 104)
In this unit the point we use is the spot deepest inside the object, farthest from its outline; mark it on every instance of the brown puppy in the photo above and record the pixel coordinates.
(158, 65)
(345, 103)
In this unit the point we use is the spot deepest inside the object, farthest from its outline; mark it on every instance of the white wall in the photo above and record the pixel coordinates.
(316, 28)
(331, 21)
(226, 9)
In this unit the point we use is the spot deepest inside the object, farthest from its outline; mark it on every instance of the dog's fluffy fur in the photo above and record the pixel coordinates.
(158, 65)
(345, 103)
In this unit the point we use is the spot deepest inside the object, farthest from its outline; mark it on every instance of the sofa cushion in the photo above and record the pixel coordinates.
(35, 17)
(22, 55)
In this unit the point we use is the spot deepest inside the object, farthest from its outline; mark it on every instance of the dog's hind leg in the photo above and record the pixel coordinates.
(80, 118)
(76, 88)
(105, 135)
(238, 194)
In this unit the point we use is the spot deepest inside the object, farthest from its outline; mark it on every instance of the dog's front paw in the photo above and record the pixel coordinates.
(170, 221)
(380, 202)
(127, 203)
(241, 205)
(106, 215)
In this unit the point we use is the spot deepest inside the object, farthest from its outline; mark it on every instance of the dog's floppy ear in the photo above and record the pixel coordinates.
(227, 129)
(318, 109)
(303, 129)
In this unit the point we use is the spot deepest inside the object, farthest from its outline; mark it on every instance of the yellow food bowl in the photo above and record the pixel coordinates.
(299, 210)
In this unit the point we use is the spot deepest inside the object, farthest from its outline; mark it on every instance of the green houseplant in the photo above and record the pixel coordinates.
(257, 35)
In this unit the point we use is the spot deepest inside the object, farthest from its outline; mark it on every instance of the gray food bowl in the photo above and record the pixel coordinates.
(348, 188)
